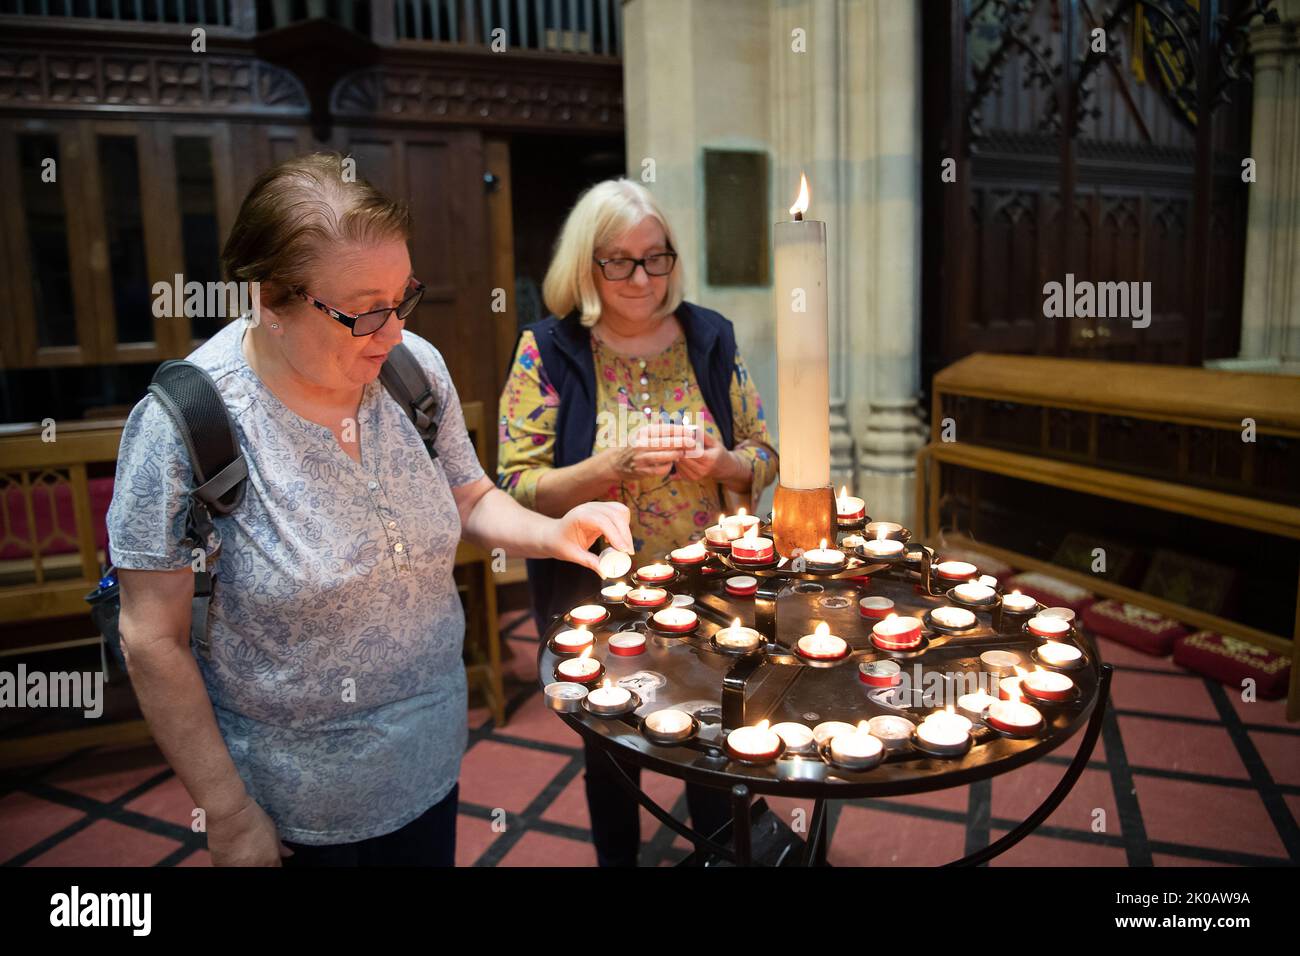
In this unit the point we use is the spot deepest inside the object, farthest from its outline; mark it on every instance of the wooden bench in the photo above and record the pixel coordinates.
(1158, 438)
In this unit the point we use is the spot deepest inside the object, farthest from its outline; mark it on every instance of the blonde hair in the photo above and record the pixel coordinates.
(294, 212)
(603, 213)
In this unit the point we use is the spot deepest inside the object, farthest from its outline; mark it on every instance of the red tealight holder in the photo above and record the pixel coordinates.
(1014, 718)
(897, 634)
(1049, 627)
(956, 570)
(880, 673)
(742, 585)
(627, 644)
(646, 597)
(822, 646)
(675, 620)
(689, 556)
(655, 573)
(567, 670)
(875, 607)
(1049, 686)
(753, 550)
(588, 615)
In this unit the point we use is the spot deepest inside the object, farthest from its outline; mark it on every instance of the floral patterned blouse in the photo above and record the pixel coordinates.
(667, 511)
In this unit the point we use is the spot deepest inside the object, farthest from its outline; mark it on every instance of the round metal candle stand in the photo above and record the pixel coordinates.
(574, 623)
(750, 760)
(929, 621)
(670, 740)
(933, 751)
(588, 683)
(564, 705)
(561, 651)
(633, 702)
(1074, 665)
(960, 601)
(824, 750)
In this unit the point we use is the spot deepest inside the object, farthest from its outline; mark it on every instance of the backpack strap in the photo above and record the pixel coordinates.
(190, 397)
(407, 383)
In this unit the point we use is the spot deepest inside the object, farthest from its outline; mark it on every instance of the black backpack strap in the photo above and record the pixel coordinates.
(407, 383)
(190, 397)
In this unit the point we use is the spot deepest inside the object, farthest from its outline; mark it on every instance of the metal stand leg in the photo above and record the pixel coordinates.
(741, 824)
(1072, 774)
(814, 852)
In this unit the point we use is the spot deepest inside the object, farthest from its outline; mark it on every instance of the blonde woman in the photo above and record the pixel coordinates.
(623, 353)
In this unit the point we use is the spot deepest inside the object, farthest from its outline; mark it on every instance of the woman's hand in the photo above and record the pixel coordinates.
(573, 534)
(717, 463)
(246, 837)
(653, 451)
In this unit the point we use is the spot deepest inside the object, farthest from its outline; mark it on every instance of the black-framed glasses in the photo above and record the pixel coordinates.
(615, 270)
(368, 323)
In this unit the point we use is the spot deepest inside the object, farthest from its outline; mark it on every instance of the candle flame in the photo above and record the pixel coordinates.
(822, 629)
(586, 651)
(822, 546)
(862, 726)
(890, 616)
(1016, 592)
(720, 517)
(880, 534)
(735, 622)
(751, 533)
(740, 512)
(761, 725)
(801, 204)
(844, 491)
(606, 684)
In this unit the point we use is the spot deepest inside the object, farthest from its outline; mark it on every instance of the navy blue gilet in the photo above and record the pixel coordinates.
(564, 346)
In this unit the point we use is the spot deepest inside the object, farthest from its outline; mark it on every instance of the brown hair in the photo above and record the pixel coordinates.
(295, 211)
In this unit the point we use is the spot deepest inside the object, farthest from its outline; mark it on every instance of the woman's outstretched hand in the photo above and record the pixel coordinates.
(573, 534)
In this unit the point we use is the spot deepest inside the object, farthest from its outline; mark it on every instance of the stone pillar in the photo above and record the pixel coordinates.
(1270, 314)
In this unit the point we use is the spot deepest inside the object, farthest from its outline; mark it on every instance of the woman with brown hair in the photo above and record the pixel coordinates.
(326, 721)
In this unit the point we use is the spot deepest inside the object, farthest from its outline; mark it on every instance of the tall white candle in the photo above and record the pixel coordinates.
(802, 363)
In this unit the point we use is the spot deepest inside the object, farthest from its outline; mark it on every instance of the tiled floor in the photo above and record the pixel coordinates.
(1185, 774)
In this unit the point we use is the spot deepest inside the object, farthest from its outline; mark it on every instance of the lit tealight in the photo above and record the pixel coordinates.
(1014, 717)
(822, 645)
(655, 573)
(572, 641)
(823, 558)
(615, 592)
(1058, 654)
(694, 553)
(896, 633)
(609, 699)
(736, 637)
(795, 736)
(675, 619)
(669, 725)
(956, 570)
(1047, 685)
(974, 593)
(944, 732)
(757, 744)
(646, 597)
(1049, 627)
(1017, 603)
(588, 614)
(583, 669)
(956, 618)
(858, 749)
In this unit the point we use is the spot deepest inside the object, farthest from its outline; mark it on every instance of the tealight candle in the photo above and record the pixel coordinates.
(828, 729)
(822, 645)
(676, 619)
(1009, 686)
(1017, 603)
(883, 529)
(894, 732)
(1064, 613)
(974, 705)
(749, 548)
(615, 592)
(973, 593)
(655, 573)
(669, 725)
(720, 533)
(573, 641)
(956, 570)
(944, 732)
(896, 633)
(824, 558)
(588, 614)
(564, 697)
(849, 508)
(683, 600)
(627, 644)
(957, 618)
(1000, 663)
(613, 563)
(757, 744)
(795, 736)
(1014, 717)
(737, 638)
(880, 673)
(694, 553)
(857, 750)
(646, 597)
(988, 580)
(741, 585)
(607, 699)
(875, 607)
(851, 541)
(580, 670)
(882, 547)
(1047, 685)
(739, 524)
(1058, 654)
(1051, 627)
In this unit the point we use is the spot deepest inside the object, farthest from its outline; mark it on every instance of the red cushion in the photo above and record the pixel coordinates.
(1135, 626)
(1049, 590)
(51, 508)
(1231, 660)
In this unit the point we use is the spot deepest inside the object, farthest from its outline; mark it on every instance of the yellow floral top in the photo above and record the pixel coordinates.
(667, 511)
